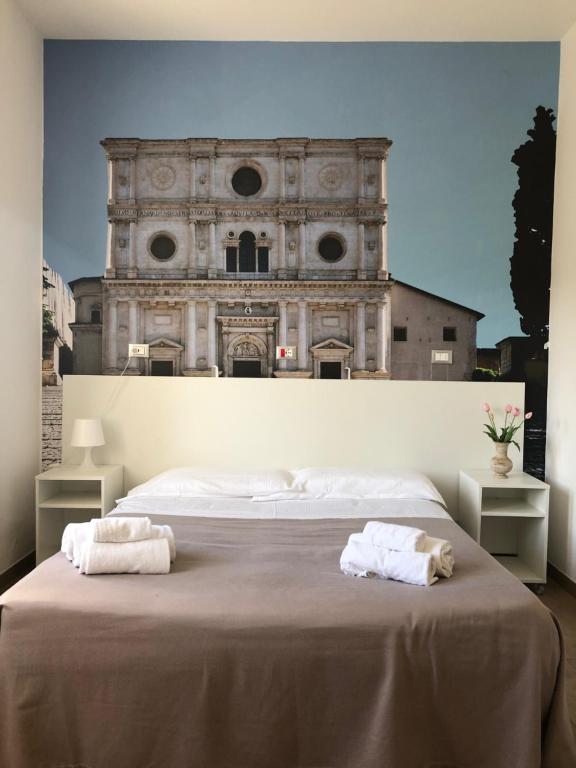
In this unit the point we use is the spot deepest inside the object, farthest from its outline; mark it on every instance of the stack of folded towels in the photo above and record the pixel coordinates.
(119, 545)
(397, 552)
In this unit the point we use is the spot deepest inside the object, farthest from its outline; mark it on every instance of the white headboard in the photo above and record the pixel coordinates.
(154, 423)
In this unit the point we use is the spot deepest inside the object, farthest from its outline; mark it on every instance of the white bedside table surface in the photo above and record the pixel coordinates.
(74, 472)
(487, 479)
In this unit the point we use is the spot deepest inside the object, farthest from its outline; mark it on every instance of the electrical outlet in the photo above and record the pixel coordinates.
(138, 350)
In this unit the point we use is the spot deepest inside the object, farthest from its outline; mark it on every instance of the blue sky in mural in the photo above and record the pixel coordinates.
(455, 113)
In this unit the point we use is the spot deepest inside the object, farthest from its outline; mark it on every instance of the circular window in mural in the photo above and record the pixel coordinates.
(162, 247)
(246, 181)
(331, 248)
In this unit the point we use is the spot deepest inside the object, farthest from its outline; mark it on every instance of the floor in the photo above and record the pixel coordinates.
(563, 606)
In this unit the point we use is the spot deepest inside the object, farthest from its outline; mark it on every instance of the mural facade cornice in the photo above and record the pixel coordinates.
(373, 213)
(267, 292)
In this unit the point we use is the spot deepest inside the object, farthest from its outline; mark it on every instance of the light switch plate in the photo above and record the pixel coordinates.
(138, 350)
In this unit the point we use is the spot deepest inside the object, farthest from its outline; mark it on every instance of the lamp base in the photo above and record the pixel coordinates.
(88, 461)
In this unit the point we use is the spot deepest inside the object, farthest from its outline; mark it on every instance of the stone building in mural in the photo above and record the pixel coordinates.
(221, 250)
(57, 336)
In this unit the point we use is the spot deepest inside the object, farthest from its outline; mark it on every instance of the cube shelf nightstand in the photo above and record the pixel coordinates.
(509, 518)
(71, 494)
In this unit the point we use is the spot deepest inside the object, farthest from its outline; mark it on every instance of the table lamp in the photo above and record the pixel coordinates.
(87, 433)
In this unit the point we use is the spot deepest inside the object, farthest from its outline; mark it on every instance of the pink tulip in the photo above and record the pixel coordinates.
(508, 408)
(516, 411)
(528, 416)
(486, 407)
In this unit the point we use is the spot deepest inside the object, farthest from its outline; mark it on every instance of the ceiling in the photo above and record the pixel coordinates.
(417, 20)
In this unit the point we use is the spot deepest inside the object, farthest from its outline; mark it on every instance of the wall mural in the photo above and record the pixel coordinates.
(214, 252)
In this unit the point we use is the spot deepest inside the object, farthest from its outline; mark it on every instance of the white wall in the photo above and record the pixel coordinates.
(561, 446)
(20, 288)
(152, 423)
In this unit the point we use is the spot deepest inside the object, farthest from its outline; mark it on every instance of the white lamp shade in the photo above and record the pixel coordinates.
(87, 433)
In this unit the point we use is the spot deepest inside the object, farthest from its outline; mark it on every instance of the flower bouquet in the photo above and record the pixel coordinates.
(503, 436)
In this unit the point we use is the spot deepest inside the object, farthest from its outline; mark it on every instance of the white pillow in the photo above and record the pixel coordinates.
(351, 483)
(200, 482)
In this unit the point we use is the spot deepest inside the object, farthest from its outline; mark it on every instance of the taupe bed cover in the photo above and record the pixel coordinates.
(256, 652)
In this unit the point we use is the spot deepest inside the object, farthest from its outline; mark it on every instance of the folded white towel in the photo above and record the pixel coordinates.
(165, 532)
(76, 535)
(149, 556)
(360, 558)
(401, 538)
(114, 530)
(441, 551)
(73, 539)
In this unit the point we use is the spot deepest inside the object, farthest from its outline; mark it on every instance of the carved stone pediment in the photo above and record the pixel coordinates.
(331, 344)
(163, 342)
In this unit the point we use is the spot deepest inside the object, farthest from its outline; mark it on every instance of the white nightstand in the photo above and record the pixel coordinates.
(509, 518)
(67, 494)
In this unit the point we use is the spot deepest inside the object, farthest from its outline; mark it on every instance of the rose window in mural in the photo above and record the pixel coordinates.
(331, 248)
(163, 177)
(330, 177)
(248, 255)
(162, 247)
(246, 181)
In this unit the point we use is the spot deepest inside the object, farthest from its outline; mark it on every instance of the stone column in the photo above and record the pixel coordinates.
(382, 180)
(212, 261)
(111, 250)
(133, 192)
(226, 370)
(301, 246)
(282, 330)
(190, 342)
(301, 177)
(361, 273)
(282, 178)
(133, 332)
(111, 182)
(132, 261)
(302, 336)
(192, 248)
(211, 176)
(211, 359)
(381, 335)
(360, 341)
(111, 331)
(192, 178)
(383, 250)
(361, 180)
(281, 249)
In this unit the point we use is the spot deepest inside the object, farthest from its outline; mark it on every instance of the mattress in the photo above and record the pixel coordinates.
(257, 652)
(286, 509)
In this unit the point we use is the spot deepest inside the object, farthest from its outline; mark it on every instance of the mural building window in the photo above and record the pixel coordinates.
(247, 257)
(246, 181)
(331, 248)
(448, 333)
(400, 333)
(96, 315)
(162, 247)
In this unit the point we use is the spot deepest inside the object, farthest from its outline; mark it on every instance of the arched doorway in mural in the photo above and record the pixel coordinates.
(247, 357)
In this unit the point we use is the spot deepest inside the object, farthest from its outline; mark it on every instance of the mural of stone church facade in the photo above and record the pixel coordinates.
(221, 250)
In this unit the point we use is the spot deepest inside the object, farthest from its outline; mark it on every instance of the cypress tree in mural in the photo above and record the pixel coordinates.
(533, 205)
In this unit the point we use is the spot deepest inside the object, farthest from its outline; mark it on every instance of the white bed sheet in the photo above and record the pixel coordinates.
(266, 510)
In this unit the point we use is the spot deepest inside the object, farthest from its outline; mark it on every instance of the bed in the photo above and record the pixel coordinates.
(257, 652)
